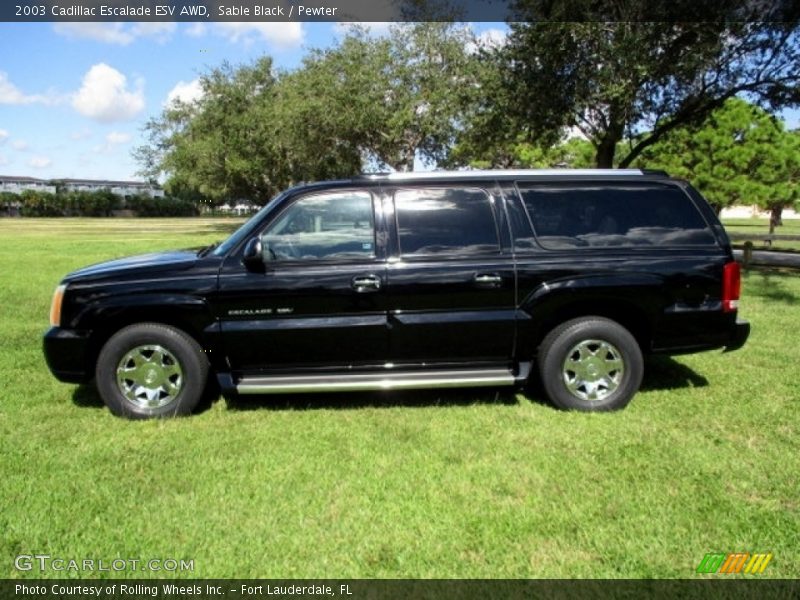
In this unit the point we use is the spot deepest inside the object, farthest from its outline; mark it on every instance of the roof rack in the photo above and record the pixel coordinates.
(400, 176)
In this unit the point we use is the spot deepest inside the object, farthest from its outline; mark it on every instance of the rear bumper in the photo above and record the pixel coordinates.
(739, 336)
(67, 354)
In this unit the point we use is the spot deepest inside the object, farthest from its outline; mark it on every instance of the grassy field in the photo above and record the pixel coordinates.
(761, 227)
(433, 484)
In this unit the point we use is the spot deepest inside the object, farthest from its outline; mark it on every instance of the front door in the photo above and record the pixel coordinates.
(321, 301)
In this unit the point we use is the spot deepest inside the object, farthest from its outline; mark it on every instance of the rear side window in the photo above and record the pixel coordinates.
(596, 214)
(445, 221)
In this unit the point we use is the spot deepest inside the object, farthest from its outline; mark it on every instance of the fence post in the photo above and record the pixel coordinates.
(747, 254)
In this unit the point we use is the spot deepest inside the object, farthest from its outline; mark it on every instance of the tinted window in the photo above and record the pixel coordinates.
(445, 221)
(335, 225)
(614, 215)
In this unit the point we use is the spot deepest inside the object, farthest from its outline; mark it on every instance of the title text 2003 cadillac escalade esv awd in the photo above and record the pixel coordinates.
(405, 281)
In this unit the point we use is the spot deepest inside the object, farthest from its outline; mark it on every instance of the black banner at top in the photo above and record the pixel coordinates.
(398, 10)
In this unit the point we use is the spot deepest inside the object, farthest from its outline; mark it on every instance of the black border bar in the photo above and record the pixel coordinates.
(366, 589)
(397, 10)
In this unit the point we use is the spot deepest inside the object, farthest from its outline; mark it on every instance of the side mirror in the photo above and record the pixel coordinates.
(253, 257)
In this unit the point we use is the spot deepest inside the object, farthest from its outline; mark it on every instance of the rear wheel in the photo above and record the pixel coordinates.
(590, 364)
(151, 370)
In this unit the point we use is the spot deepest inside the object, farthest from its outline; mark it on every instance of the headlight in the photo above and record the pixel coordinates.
(55, 307)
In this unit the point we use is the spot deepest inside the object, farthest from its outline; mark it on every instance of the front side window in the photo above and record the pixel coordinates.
(445, 221)
(337, 225)
(574, 216)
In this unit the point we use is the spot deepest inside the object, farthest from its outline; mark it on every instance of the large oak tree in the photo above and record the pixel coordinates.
(633, 79)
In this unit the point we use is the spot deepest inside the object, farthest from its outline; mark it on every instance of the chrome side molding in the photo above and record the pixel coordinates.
(364, 382)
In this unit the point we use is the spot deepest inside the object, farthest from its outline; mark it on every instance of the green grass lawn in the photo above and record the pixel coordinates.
(428, 484)
(761, 227)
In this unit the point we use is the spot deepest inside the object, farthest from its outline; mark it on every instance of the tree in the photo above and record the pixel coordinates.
(220, 145)
(393, 98)
(634, 78)
(376, 101)
(741, 154)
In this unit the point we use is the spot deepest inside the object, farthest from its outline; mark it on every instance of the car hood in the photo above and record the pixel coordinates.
(135, 266)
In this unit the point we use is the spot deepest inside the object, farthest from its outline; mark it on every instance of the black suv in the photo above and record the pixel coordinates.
(405, 281)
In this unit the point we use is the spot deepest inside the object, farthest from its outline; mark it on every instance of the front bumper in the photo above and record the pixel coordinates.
(67, 354)
(739, 336)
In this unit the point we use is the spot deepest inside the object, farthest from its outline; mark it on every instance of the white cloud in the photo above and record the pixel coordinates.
(3, 160)
(3, 136)
(281, 35)
(108, 33)
(488, 40)
(39, 162)
(159, 32)
(116, 138)
(185, 92)
(196, 30)
(112, 140)
(374, 29)
(11, 94)
(20, 145)
(121, 34)
(105, 97)
(80, 135)
(493, 38)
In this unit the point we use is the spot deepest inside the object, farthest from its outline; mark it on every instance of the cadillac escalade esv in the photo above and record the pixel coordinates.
(406, 281)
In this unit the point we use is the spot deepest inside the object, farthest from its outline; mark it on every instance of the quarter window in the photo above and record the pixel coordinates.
(614, 215)
(337, 225)
(445, 221)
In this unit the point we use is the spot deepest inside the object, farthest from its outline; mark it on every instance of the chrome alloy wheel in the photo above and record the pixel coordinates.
(149, 376)
(593, 370)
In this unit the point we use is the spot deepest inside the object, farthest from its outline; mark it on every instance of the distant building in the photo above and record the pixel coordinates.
(17, 185)
(739, 211)
(120, 188)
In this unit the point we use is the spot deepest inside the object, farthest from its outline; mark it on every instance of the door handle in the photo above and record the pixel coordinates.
(366, 283)
(488, 280)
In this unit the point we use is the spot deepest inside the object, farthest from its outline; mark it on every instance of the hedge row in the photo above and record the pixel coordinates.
(101, 203)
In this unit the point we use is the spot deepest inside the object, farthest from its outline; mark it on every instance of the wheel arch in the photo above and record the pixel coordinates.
(552, 304)
(190, 315)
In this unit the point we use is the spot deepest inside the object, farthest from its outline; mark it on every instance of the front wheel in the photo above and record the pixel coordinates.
(151, 370)
(590, 364)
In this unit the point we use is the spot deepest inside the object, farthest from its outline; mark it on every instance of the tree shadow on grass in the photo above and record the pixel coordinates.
(665, 373)
(358, 400)
(768, 284)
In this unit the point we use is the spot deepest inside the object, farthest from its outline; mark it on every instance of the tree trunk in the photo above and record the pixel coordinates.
(775, 218)
(604, 155)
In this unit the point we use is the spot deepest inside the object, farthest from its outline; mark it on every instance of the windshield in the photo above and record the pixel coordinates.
(245, 230)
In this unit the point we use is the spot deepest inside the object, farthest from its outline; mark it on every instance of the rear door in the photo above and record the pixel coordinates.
(451, 284)
(321, 301)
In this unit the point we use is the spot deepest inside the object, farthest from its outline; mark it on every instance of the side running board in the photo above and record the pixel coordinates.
(402, 380)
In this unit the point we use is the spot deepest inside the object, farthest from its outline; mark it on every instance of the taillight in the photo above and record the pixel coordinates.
(731, 286)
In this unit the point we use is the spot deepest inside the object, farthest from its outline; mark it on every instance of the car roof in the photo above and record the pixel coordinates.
(485, 175)
(504, 174)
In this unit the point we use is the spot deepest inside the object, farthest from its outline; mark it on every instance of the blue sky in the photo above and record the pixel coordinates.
(74, 97)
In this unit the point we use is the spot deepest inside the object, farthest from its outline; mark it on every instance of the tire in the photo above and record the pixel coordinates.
(590, 364)
(151, 370)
